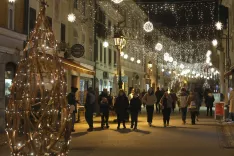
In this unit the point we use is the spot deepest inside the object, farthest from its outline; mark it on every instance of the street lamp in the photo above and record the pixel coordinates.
(150, 65)
(120, 43)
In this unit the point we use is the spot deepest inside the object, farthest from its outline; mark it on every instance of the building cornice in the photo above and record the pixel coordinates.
(12, 34)
(7, 50)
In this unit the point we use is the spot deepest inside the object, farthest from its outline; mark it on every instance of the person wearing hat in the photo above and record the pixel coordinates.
(71, 99)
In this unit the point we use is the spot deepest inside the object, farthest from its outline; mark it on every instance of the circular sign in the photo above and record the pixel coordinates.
(77, 50)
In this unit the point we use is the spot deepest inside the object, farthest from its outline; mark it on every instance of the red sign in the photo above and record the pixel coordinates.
(219, 109)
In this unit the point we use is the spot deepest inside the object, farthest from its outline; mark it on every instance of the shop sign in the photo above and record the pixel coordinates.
(77, 50)
(219, 109)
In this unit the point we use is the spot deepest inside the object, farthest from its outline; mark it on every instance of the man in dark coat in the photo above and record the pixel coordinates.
(135, 108)
(158, 95)
(104, 101)
(71, 99)
(89, 108)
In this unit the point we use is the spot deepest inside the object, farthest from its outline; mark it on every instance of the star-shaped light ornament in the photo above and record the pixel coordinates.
(71, 17)
(219, 25)
(148, 26)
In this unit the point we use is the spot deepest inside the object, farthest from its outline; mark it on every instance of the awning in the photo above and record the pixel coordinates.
(76, 67)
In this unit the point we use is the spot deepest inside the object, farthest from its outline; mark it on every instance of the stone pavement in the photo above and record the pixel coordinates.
(206, 138)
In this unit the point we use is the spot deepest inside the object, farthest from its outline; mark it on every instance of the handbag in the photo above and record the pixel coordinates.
(192, 105)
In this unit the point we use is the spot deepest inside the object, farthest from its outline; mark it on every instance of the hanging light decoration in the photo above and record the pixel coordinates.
(163, 70)
(214, 42)
(148, 26)
(158, 47)
(122, 53)
(174, 63)
(208, 53)
(126, 56)
(117, 1)
(166, 57)
(105, 44)
(170, 59)
(219, 25)
(182, 66)
(71, 17)
(138, 61)
(132, 59)
(212, 70)
(11, 1)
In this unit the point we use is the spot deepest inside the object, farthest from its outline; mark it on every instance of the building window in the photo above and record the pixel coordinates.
(11, 15)
(84, 7)
(63, 33)
(100, 52)
(50, 22)
(105, 55)
(115, 56)
(76, 4)
(110, 56)
(32, 19)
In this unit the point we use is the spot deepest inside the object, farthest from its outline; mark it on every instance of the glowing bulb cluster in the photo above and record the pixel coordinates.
(148, 26)
(117, 1)
(71, 17)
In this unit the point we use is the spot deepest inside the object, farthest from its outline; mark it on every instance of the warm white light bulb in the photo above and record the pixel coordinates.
(219, 25)
(182, 66)
(132, 59)
(105, 44)
(208, 53)
(71, 17)
(212, 70)
(122, 54)
(214, 42)
(11, 1)
(126, 56)
(138, 61)
(170, 59)
(163, 70)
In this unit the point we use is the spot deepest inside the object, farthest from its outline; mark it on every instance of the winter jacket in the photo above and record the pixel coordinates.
(90, 101)
(231, 99)
(149, 100)
(71, 99)
(166, 102)
(183, 99)
(209, 100)
(158, 95)
(193, 97)
(121, 105)
(135, 104)
(104, 106)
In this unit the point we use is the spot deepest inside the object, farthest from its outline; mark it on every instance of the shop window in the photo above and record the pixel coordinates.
(9, 75)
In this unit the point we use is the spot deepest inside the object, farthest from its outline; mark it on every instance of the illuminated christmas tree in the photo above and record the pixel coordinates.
(37, 116)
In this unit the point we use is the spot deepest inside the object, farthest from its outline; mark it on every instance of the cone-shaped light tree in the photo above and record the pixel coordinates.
(37, 116)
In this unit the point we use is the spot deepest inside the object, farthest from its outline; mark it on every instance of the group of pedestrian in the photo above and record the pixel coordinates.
(124, 105)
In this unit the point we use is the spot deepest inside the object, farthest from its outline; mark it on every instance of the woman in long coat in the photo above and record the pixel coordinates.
(121, 107)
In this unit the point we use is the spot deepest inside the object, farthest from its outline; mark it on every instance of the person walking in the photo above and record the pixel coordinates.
(135, 108)
(105, 102)
(142, 96)
(71, 99)
(174, 99)
(166, 104)
(158, 95)
(89, 108)
(121, 105)
(193, 104)
(183, 104)
(231, 105)
(209, 103)
(149, 99)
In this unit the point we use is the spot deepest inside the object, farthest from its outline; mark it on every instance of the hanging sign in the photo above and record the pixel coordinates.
(77, 50)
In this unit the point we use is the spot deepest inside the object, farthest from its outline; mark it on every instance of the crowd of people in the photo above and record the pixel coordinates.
(125, 106)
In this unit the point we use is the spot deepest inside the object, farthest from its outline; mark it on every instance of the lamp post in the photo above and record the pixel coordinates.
(120, 43)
